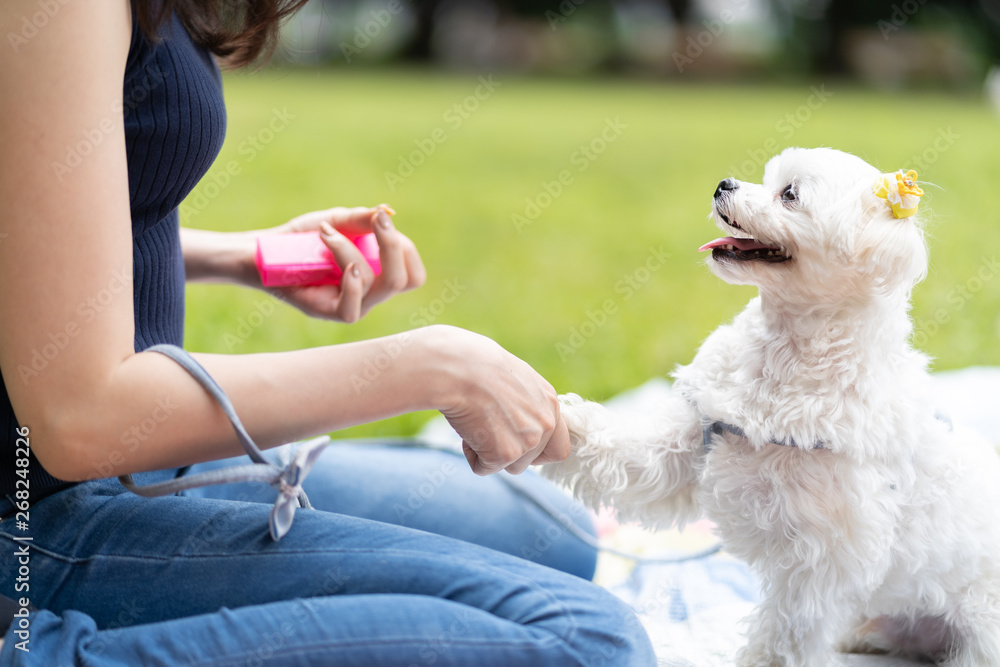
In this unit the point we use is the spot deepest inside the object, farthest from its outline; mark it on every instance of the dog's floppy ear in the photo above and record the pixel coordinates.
(889, 244)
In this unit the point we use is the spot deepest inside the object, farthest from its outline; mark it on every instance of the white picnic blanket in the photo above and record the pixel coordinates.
(693, 611)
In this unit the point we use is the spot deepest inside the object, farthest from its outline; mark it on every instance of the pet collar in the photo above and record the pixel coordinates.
(900, 190)
(710, 429)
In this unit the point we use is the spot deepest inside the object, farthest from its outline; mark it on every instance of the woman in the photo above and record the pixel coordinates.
(92, 265)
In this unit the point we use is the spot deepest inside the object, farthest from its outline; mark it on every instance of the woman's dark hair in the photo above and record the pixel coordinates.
(239, 32)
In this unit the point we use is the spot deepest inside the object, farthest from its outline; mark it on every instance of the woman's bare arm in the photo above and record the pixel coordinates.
(211, 256)
(66, 313)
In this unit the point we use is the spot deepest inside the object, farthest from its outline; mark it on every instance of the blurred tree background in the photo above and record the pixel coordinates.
(883, 42)
(554, 163)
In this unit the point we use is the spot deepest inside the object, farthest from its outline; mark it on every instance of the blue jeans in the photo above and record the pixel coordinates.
(196, 580)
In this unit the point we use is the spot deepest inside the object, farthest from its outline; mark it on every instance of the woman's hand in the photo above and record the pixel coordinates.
(507, 414)
(360, 289)
(212, 256)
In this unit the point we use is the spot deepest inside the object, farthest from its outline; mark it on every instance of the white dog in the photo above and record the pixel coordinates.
(806, 431)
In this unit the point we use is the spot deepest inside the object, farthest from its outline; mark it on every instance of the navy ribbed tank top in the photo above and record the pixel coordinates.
(175, 122)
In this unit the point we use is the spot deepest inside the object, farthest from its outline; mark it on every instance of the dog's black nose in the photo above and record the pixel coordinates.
(725, 186)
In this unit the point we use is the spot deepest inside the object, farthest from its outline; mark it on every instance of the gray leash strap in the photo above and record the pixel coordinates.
(288, 479)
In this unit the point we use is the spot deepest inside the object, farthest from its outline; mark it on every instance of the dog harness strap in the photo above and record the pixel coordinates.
(288, 479)
(710, 429)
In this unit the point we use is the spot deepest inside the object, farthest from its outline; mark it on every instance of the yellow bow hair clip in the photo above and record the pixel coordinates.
(900, 190)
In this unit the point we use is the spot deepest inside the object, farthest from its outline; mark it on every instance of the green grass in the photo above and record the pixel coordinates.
(650, 189)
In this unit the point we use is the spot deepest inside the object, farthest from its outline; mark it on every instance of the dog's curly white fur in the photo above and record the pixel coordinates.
(878, 529)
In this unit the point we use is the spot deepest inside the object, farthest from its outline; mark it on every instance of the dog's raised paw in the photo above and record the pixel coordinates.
(572, 407)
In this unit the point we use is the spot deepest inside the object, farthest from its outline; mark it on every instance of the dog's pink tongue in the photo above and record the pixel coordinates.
(739, 244)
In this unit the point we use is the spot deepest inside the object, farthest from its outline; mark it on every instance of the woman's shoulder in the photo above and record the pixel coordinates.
(44, 37)
(23, 21)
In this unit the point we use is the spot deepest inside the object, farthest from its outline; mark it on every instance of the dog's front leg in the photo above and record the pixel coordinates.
(645, 468)
(780, 638)
(813, 590)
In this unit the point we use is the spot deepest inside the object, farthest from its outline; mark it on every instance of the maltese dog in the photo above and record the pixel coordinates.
(807, 431)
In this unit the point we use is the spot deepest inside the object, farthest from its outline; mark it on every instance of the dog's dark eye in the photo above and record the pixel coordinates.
(789, 194)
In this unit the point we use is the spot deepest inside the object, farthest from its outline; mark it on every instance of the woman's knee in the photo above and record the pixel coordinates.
(608, 634)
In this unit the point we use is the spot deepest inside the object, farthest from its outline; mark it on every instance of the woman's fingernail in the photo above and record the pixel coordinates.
(325, 227)
(354, 270)
(384, 220)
